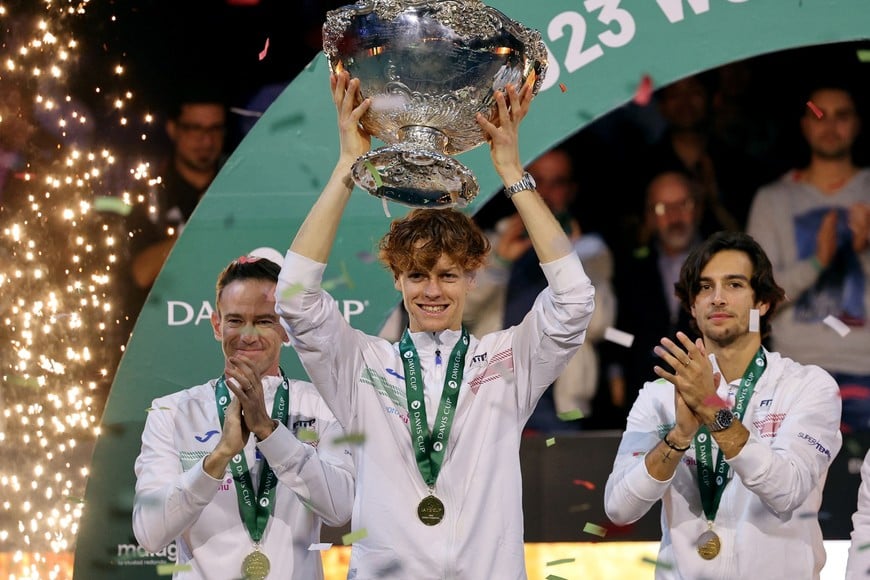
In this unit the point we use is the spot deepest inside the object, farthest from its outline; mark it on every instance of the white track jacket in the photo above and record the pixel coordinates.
(177, 500)
(361, 379)
(768, 516)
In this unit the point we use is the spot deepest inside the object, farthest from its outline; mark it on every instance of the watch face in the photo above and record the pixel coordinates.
(724, 417)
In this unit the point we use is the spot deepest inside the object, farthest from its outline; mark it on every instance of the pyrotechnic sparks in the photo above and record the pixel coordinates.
(61, 274)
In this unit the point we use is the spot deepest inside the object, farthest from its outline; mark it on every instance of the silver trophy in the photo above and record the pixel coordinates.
(429, 66)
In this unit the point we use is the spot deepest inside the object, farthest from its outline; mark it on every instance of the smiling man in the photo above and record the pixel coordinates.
(737, 441)
(439, 486)
(253, 499)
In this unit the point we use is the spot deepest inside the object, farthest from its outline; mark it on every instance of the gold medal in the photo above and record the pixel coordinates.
(256, 566)
(431, 510)
(709, 545)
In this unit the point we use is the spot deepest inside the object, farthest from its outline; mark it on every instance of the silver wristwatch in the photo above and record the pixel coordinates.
(721, 421)
(527, 182)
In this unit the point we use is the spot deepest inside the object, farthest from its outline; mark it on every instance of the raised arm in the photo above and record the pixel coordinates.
(547, 236)
(317, 233)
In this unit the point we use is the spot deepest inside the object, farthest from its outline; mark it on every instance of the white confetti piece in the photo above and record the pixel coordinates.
(838, 325)
(319, 547)
(754, 320)
(619, 337)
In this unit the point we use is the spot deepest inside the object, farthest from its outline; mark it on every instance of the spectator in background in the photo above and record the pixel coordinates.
(814, 224)
(726, 178)
(507, 287)
(196, 127)
(644, 280)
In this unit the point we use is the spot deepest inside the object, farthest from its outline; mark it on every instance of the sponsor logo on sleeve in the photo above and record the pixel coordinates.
(816, 443)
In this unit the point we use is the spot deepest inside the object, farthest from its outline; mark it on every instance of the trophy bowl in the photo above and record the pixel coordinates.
(428, 66)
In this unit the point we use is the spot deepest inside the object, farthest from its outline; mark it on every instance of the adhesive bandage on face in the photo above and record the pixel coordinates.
(754, 320)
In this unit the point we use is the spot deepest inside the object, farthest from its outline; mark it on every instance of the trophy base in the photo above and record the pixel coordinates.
(415, 177)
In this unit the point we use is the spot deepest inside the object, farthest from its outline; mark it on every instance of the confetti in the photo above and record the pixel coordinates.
(656, 563)
(551, 441)
(587, 484)
(863, 55)
(352, 537)
(754, 320)
(563, 87)
(307, 435)
(373, 171)
(245, 112)
(292, 291)
(265, 50)
(571, 415)
(554, 577)
(716, 401)
(112, 204)
(170, 569)
(562, 561)
(319, 547)
(595, 530)
(644, 91)
(149, 409)
(816, 111)
(365, 257)
(837, 324)
(352, 438)
(619, 337)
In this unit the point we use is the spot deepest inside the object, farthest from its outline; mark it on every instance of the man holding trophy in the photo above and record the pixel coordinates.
(438, 491)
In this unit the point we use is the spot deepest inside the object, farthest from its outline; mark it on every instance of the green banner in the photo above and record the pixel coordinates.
(599, 52)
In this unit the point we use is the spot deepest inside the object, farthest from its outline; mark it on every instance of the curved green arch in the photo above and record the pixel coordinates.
(600, 49)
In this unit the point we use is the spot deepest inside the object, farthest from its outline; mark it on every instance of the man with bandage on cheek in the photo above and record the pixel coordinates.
(737, 440)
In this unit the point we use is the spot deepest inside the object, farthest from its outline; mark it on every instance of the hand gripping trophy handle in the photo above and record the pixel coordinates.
(429, 66)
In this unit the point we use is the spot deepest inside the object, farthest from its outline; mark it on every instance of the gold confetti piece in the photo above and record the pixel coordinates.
(352, 537)
(307, 435)
(551, 441)
(112, 204)
(864, 55)
(374, 172)
(170, 569)
(562, 561)
(351, 438)
(149, 409)
(571, 415)
(554, 577)
(595, 530)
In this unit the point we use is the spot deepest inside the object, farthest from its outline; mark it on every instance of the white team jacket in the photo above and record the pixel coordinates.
(360, 377)
(177, 500)
(768, 516)
(859, 553)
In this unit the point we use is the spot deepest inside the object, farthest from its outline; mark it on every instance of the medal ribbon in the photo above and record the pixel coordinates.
(429, 448)
(711, 482)
(255, 508)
